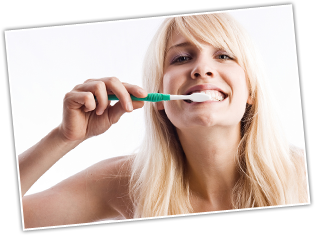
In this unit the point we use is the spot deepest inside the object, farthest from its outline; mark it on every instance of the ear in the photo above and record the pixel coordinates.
(160, 105)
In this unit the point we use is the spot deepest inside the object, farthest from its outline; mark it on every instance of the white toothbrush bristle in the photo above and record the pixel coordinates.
(199, 97)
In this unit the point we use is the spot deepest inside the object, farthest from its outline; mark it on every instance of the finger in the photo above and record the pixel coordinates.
(113, 84)
(132, 89)
(135, 90)
(98, 88)
(137, 104)
(115, 112)
(89, 80)
(77, 100)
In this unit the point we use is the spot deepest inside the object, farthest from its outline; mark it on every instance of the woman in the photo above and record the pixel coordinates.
(196, 157)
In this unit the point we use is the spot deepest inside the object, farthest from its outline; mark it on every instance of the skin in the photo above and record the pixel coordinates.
(209, 132)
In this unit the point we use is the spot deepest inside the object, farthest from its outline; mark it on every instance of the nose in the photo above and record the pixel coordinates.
(202, 70)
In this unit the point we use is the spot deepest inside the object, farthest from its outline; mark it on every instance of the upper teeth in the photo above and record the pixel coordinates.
(214, 95)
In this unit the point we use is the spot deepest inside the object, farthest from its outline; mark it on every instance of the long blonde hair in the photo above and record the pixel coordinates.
(271, 172)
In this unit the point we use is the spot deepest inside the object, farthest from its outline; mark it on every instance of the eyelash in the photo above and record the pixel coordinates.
(227, 57)
(176, 59)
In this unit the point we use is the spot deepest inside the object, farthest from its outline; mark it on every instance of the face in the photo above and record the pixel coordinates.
(188, 69)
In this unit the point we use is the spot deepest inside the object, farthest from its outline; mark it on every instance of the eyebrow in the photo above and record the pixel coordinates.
(183, 44)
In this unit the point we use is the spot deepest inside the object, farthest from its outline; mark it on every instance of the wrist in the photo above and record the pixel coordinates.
(62, 140)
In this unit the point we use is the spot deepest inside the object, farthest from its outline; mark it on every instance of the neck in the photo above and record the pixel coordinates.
(212, 164)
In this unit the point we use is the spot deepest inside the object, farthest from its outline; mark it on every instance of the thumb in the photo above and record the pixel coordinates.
(115, 112)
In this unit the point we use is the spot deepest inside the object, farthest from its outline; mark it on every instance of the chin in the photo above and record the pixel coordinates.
(205, 121)
(198, 121)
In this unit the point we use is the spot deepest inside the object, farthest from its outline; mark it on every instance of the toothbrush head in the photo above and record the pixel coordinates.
(199, 97)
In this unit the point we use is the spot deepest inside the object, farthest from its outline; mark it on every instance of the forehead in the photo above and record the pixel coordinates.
(218, 30)
(177, 38)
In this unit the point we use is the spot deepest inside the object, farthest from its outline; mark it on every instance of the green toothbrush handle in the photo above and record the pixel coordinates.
(152, 97)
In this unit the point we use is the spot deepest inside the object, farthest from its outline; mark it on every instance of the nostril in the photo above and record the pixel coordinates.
(196, 75)
(209, 73)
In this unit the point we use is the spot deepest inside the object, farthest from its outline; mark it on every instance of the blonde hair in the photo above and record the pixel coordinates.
(271, 173)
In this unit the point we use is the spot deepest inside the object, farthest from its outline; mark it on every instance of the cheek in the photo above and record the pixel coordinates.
(172, 110)
(167, 85)
(236, 79)
(241, 94)
(171, 83)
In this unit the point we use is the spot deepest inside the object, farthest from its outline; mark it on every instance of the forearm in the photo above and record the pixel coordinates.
(34, 162)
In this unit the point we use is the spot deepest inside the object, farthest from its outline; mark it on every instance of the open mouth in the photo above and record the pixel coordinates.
(214, 95)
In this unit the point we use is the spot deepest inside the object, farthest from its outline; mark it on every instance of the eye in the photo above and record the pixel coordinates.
(224, 57)
(180, 59)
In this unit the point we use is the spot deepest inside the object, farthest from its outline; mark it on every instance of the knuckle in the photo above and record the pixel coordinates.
(91, 96)
(67, 96)
(77, 87)
(113, 79)
(99, 85)
(88, 80)
(88, 96)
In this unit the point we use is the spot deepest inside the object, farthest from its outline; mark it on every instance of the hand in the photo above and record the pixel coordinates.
(83, 117)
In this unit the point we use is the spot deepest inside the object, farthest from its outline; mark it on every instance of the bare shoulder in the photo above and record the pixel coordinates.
(116, 166)
(99, 192)
(108, 180)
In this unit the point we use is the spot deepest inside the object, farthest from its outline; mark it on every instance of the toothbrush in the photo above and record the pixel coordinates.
(156, 97)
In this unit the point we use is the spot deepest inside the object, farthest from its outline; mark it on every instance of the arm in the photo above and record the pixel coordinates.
(82, 119)
(34, 162)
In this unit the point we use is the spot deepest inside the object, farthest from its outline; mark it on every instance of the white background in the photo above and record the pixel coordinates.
(45, 63)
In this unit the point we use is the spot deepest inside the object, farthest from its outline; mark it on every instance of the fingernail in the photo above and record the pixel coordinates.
(129, 106)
